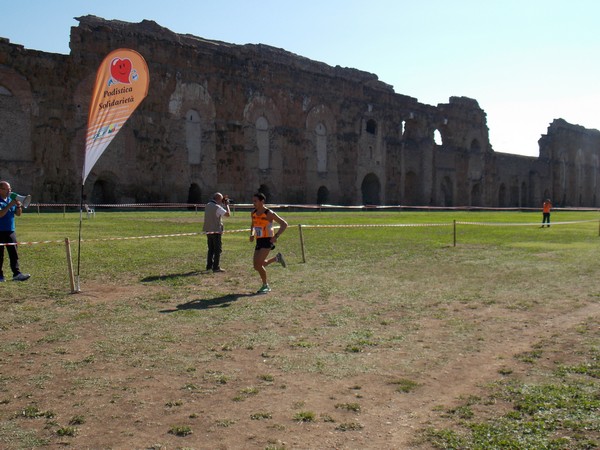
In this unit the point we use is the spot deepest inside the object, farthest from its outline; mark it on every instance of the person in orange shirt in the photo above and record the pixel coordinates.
(262, 233)
(546, 207)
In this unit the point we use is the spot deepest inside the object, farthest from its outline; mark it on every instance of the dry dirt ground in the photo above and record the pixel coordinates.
(242, 399)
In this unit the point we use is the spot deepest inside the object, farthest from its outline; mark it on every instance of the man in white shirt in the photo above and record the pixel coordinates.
(214, 211)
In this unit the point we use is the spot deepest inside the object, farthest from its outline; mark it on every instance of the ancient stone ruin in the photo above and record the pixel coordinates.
(242, 118)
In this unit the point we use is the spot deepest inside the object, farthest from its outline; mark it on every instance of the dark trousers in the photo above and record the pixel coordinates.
(8, 237)
(215, 247)
(545, 218)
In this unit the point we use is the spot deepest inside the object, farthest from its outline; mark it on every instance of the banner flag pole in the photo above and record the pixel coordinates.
(77, 288)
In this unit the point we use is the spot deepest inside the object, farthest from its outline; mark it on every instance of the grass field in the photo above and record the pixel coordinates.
(386, 337)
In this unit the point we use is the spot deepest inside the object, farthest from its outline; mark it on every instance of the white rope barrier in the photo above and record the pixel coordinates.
(505, 224)
(381, 225)
(30, 243)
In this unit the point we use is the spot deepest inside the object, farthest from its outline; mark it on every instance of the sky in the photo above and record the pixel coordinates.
(526, 62)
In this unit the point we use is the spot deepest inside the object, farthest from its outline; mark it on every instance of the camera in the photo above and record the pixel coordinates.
(228, 201)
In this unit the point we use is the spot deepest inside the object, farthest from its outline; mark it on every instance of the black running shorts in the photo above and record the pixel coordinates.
(264, 243)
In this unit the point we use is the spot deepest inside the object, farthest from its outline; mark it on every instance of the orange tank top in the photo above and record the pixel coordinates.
(262, 227)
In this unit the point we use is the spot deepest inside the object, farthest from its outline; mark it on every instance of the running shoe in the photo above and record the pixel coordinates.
(280, 259)
(264, 289)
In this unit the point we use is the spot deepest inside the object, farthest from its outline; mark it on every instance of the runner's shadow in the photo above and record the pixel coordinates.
(171, 276)
(218, 302)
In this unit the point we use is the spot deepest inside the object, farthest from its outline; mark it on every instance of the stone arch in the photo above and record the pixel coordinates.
(322, 195)
(371, 190)
(104, 189)
(263, 116)
(194, 194)
(262, 106)
(193, 114)
(186, 96)
(193, 136)
(320, 133)
(371, 126)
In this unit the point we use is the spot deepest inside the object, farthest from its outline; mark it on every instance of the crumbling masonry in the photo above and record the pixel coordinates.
(239, 118)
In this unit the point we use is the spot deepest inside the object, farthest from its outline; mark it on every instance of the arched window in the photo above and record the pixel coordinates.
(262, 142)
(103, 191)
(371, 188)
(437, 137)
(371, 126)
(193, 137)
(194, 194)
(322, 195)
(321, 132)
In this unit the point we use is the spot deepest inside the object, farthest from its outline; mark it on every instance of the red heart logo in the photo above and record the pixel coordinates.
(120, 70)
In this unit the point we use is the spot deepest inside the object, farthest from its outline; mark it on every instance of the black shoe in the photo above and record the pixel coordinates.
(218, 270)
(21, 277)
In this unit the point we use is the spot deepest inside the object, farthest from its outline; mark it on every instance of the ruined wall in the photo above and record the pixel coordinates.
(241, 118)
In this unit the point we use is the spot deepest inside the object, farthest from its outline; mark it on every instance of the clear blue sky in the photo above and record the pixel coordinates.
(527, 62)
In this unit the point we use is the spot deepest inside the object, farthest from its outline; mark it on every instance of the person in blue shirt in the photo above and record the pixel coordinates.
(9, 208)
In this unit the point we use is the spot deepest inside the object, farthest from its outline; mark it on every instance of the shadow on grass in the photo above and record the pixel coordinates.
(218, 302)
(171, 276)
